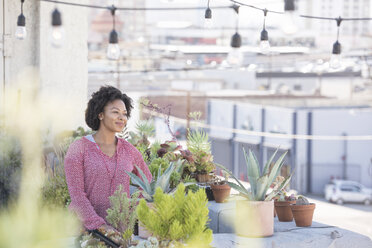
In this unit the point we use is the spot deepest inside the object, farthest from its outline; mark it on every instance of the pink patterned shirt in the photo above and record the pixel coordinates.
(90, 172)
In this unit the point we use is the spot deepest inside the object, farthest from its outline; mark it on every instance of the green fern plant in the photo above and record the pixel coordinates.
(178, 217)
(259, 182)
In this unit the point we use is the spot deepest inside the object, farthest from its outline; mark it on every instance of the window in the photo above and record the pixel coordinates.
(350, 188)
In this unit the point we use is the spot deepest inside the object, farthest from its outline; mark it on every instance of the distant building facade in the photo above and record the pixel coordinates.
(313, 161)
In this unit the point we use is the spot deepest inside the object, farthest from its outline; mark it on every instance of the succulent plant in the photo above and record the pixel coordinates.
(163, 180)
(301, 200)
(259, 182)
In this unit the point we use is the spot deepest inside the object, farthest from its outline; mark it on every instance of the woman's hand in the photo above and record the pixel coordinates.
(108, 230)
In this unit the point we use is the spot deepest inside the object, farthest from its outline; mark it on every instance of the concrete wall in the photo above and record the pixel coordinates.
(60, 75)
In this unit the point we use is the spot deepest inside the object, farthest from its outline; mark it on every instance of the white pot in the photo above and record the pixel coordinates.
(254, 218)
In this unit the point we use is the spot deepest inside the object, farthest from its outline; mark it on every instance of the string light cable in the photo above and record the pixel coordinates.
(237, 58)
(200, 8)
(265, 134)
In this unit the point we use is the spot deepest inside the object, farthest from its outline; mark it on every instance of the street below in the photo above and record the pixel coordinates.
(351, 216)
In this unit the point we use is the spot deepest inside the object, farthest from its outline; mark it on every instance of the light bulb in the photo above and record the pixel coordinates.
(57, 36)
(265, 46)
(113, 51)
(235, 57)
(208, 23)
(208, 18)
(21, 32)
(335, 61)
(289, 22)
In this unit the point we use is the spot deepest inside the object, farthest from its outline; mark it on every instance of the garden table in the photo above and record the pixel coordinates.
(286, 234)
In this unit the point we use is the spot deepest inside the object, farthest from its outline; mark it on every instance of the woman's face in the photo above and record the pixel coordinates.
(114, 116)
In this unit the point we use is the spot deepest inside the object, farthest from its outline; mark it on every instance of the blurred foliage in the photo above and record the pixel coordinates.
(10, 168)
(55, 191)
(24, 226)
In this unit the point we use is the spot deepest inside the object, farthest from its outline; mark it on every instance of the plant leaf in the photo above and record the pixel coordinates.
(163, 180)
(275, 170)
(261, 188)
(243, 189)
(240, 190)
(144, 184)
(267, 166)
(252, 171)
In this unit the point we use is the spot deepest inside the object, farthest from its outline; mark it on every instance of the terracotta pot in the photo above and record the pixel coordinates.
(203, 178)
(283, 210)
(303, 214)
(220, 192)
(254, 218)
(142, 231)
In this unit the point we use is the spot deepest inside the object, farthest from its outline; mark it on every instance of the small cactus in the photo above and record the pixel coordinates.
(301, 200)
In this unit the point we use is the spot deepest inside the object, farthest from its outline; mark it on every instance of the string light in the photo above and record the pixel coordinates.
(113, 49)
(21, 31)
(335, 61)
(264, 42)
(57, 35)
(235, 56)
(289, 21)
(208, 22)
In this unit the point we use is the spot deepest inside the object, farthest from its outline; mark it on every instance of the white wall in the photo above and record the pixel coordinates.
(278, 120)
(221, 115)
(59, 74)
(249, 117)
(351, 122)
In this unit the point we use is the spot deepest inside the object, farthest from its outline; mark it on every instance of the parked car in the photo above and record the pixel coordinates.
(340, 191)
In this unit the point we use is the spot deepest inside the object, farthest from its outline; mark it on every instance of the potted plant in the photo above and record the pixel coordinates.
(220, 188)
(148, 189)
(282, 206)
(198, 153)
(177, 218)
(198, 156)
(254, 214)
(303, 212)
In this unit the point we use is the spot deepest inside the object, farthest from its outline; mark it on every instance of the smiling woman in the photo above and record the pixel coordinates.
(97, 164)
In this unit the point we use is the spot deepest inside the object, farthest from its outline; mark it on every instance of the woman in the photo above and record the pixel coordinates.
(96, 165)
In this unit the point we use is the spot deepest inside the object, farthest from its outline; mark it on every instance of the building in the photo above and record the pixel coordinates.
(313, 161)
(353, 34)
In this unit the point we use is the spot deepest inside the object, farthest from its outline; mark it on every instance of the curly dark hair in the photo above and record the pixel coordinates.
(99, 100)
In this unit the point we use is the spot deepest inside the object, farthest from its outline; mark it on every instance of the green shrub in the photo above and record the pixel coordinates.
(178, 217)
(122, 212)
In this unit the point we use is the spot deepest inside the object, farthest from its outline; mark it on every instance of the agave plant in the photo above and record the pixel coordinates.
(259, 182)
(162, 180)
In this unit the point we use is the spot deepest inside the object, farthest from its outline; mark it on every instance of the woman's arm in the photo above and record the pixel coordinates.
(75, 181)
